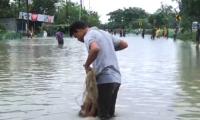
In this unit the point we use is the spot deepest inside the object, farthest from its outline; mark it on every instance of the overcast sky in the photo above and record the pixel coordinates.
(103, 7)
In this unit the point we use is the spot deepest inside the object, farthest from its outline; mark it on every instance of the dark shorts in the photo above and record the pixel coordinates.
(107, 99)
(60, 41)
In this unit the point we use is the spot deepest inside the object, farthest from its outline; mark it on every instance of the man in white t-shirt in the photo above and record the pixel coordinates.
(101, 48)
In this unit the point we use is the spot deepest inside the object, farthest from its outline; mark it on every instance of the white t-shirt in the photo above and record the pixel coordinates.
(106, 64)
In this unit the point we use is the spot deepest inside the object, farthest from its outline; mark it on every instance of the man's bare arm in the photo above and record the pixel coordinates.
(92, 55)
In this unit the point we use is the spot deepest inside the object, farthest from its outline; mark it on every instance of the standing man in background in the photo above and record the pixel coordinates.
(101, 48)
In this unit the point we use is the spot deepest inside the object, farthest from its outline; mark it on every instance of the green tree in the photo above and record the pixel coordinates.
(43, 7)
(190, 8)
(5, 8)
(127, 17)
(70, 13)
(164, 16)
(91, 17)
(116, 19)
(189, 12)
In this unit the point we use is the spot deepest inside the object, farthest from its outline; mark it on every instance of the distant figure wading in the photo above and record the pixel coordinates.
(59, 37)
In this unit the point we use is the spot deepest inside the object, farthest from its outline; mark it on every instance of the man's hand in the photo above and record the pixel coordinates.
(122, 45)
(87, 68)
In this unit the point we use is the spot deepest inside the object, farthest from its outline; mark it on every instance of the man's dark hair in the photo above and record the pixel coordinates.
(76, 25)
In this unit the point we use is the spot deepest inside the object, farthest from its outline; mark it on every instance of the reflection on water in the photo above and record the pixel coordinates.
(188, 102)
(40, 80)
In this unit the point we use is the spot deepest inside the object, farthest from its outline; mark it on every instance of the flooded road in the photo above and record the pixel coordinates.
(41, 81)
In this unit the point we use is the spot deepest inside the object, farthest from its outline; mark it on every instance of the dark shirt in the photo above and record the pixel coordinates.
(59, 35)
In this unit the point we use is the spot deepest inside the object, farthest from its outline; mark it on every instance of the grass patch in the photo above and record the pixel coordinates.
(10, 35)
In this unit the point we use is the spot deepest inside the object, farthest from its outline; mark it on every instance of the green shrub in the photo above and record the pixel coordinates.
(2, 29)
(10, 35)
(187, 36)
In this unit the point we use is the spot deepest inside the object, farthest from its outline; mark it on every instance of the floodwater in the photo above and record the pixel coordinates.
(41, 81)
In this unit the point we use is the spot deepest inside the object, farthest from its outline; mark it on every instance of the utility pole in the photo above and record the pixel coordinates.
(89, 5)
(68, 3)
(80, 10)
(27, 11)
(19, 5)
